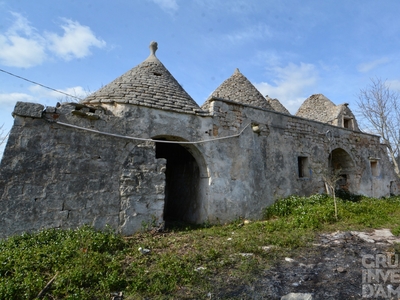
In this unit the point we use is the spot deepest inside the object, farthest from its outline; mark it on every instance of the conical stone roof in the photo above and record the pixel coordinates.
(319, 108)
(277, 105)
(148, 84)
(239, 89)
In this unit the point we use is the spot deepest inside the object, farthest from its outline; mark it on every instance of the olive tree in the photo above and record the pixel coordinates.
(380, 111)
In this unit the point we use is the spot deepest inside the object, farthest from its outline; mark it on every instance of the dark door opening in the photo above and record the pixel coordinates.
(340, 162)
(182, 183)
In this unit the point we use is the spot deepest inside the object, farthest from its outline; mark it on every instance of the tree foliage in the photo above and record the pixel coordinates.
(379, 108)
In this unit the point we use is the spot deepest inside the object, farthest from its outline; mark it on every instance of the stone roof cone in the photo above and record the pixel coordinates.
(317, 107)
(277, 105)
(239, 89)
(148, 84)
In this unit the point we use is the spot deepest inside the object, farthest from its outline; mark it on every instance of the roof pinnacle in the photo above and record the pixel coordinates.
(153, 48)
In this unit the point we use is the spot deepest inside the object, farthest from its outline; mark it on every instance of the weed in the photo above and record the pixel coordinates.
(188, 261)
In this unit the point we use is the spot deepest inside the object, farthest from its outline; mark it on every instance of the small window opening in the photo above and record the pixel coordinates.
(374, 168)
(347, 123)
(302, 163)
(157, 74)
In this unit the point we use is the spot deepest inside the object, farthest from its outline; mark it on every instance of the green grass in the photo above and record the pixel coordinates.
(186, 262)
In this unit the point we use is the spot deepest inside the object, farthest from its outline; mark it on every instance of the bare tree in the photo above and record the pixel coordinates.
(3, 136)
(378, 106)
(331, 177)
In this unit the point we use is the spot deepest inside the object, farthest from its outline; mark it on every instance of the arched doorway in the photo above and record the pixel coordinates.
(182, 186)
(340, 162)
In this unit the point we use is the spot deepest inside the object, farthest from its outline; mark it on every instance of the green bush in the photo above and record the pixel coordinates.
(318, 210)
(84, 260)
(303, 212)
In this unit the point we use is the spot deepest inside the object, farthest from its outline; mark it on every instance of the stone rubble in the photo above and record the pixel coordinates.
(297, 296)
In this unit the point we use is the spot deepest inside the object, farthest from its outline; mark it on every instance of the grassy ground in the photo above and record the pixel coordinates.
(185, 262)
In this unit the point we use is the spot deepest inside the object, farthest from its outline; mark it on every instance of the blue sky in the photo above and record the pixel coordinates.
(288, 49)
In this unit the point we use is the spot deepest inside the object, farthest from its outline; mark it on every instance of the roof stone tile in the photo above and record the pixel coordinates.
(239, 89)
(317, 107)
(150, 84)
(277, 105)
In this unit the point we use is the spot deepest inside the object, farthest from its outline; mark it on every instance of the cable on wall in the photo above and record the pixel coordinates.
(118, 135)
(151, 140)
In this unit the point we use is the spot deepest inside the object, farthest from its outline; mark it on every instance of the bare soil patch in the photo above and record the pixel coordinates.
(330, 269)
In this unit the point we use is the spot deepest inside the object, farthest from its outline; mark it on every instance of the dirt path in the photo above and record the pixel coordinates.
(331, 269)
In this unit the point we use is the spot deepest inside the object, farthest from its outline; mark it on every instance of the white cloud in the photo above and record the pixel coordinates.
(76, 91)
(394, 84)
(11, 98)
(76, 41)
(36, 94)
(270, 57)
(368, 66)
(239, 7)
(256, 32)
(22, 46)
(167, 5)
(291, 84)
(41, 94)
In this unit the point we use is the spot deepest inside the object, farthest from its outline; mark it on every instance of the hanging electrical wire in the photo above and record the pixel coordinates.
(42, 85)
(150, 139)
(117, 135)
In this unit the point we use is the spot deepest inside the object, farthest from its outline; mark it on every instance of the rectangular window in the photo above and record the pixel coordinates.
(348, 123)
(374, 168)
(302, 163)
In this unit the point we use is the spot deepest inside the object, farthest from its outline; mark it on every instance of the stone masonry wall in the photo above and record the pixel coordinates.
(250, 172)
(141, 188)
(53, 176)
